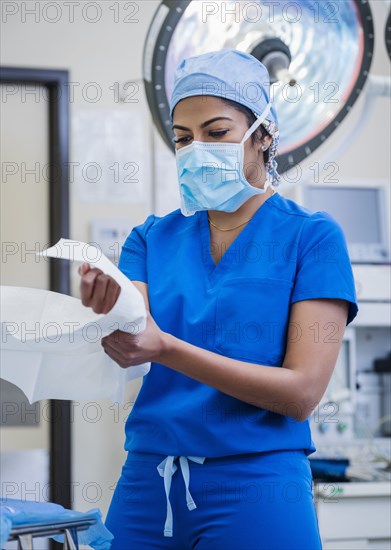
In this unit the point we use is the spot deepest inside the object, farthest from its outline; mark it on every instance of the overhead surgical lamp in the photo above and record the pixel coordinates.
(318, 55)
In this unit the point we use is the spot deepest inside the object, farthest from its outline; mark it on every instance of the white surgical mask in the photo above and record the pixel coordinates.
(211, 174)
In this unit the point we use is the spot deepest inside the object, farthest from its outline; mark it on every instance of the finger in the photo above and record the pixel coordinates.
(115, 341)
(98, 297)
(112, 292)
(83, 268)
(118, 341)
(87, 284)
(116, 356)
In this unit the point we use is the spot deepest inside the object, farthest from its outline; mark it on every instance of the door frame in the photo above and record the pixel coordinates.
(56, 83)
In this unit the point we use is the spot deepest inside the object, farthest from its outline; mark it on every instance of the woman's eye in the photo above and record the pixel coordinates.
(218, 133)
(184, 139)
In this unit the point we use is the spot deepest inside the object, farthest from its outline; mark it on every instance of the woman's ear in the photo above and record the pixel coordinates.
(265, 143)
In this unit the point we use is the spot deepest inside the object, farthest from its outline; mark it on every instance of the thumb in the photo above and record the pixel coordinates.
(84, 268)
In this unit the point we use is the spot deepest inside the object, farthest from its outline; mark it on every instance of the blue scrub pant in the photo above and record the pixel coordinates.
(260, 501)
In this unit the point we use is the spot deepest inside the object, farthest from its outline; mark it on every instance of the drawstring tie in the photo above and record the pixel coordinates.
(167, 469)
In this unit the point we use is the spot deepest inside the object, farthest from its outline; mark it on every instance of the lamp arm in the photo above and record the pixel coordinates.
(379, 86)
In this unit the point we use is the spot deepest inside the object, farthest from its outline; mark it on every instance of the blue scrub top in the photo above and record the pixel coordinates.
(239, 309)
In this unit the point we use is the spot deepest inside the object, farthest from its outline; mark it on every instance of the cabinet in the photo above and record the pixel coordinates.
(354, 515)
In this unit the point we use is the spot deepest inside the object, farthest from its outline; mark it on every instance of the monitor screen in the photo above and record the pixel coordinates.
(342, 384)
(341, 379)
(355, 209)
(361, 213)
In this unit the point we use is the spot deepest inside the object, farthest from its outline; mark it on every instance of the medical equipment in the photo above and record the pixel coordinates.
(333, 418)
(350, 205)
(369, 403)
(319, 54)
(386, 404)
(24, 520)
(382, 366)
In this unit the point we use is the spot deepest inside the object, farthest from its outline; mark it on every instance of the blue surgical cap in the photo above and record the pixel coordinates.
(229, 74)
(234, 75)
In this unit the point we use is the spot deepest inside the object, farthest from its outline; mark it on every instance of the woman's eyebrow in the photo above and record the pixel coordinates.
(203, 125)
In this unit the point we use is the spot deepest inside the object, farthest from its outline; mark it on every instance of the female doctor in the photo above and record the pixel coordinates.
(248, 296)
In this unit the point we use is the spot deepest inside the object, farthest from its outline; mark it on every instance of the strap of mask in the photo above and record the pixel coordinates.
(258, 122)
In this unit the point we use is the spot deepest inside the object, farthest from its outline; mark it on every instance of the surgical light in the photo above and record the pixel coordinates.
(318, 55)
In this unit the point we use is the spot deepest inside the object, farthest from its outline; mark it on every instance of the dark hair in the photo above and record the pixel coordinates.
(259, 133)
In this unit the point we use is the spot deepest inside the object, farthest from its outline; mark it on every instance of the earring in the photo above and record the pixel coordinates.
(264, 147)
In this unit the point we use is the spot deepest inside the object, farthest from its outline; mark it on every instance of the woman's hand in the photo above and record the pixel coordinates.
(97, 290)
(101, 292)
(134, 349)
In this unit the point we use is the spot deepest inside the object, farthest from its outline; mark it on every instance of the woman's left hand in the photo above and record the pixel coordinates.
(134, 349)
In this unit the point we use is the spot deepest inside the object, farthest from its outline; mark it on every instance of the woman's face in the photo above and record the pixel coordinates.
(206, 118)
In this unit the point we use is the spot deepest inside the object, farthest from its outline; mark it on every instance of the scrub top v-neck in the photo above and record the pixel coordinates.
(215, 270)
(238, 308)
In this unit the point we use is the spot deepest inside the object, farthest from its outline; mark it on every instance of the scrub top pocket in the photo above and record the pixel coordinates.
(252, 317)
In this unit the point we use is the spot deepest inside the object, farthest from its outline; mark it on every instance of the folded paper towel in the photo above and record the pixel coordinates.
(51, 343)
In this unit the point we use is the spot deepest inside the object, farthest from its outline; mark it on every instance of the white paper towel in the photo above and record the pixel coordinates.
(51, 343)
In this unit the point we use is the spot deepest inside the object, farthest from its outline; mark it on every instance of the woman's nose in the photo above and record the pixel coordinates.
(198, 136)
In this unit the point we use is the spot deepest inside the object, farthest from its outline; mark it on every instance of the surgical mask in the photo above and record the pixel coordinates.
(211, 174)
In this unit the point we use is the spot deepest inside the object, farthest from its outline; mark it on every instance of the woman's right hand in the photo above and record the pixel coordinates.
(97, 290)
